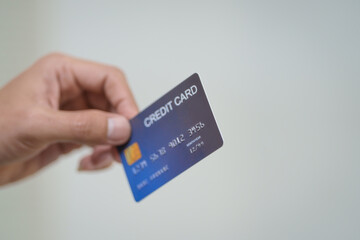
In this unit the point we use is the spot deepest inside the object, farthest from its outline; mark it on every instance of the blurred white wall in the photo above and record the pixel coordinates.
(283, 81)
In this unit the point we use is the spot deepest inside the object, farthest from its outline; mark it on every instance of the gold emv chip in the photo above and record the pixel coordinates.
(132, 153)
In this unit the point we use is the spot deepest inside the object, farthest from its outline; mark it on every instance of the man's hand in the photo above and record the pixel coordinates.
(57, 105)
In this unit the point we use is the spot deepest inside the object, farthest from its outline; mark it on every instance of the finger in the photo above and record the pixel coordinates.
(18, 170)
(90, 127)
(101, 158)
(76, 76)
(109, 79)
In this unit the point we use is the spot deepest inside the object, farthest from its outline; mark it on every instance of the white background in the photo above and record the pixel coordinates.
(282, 78)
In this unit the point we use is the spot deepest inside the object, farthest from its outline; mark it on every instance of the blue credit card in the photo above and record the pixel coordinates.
(168, 137)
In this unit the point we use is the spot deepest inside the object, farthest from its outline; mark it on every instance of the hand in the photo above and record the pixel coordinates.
(57, 105)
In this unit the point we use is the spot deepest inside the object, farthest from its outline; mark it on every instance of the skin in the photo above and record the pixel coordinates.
(57, 105)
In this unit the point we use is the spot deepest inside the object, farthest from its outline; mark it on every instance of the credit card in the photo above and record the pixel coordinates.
(168, 137)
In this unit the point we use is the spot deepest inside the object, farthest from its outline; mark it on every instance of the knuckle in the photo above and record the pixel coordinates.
(117, 72)
(54, 56)
(52, 59)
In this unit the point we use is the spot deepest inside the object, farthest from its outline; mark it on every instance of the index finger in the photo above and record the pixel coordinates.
(97, 78)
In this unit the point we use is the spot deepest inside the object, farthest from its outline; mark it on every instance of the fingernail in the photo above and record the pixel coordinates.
(104, 160)
(84, 164)
(118, 131)
(94, 163)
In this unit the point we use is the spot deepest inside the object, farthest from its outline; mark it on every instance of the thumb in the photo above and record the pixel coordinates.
(91, 127)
